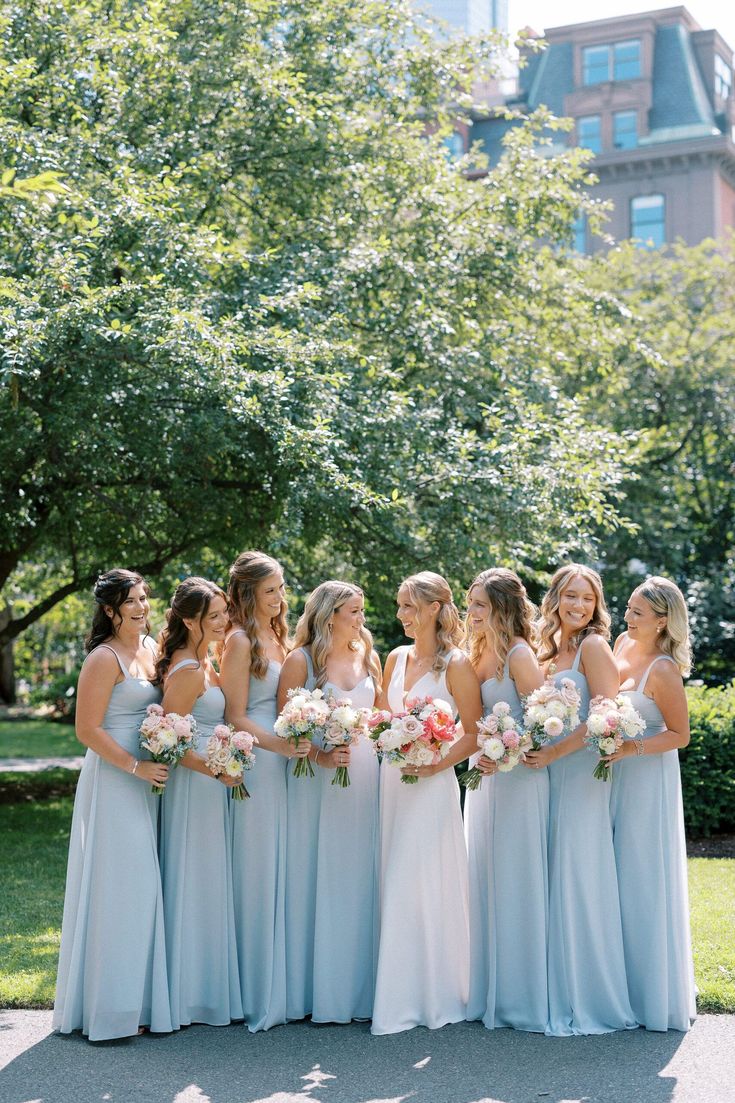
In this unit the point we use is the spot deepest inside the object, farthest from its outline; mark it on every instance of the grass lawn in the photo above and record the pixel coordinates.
(33, 865)
(37, 739)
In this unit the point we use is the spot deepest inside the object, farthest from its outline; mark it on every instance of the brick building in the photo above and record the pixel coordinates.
(652, 95)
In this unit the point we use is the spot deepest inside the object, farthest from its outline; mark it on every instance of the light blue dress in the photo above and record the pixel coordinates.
(650, 852)
(506, 825)
(304, 798)
(588, 993)
(195, 848)
(259, 870)
(346, 922)
(112, 965)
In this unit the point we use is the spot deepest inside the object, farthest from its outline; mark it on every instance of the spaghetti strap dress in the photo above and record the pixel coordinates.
(196, 867)
(506, 825)
(112, 976)
(650, 854)
(423, 954)
(304, 796)
(588, 993)
(346, 922)
(259, 870)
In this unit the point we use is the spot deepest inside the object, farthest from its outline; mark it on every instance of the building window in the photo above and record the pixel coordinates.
(648, 220)
(595, 64)
(454, 146)
(579, 233)
(589, 133)
(625, 129)
(619, 61)
(723, 78)
(627, 60)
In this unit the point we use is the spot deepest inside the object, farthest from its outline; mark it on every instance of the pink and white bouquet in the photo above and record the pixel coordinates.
(421, 735)
(550, 711)
(231, 753)
(500, 739)
(167, 737)
(345, 725)
(610, 721)
(305, 716)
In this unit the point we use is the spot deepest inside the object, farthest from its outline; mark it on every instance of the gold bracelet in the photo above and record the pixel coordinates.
(134, 767)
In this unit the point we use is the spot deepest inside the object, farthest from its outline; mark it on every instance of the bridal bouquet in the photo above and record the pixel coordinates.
(305, 716)
(550, 711)
(230, 752)
(167, 737)
(419, 736)
(608, 724)
(500, 739)
(344, 726)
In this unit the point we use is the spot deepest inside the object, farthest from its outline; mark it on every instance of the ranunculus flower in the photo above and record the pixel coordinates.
(553, 726)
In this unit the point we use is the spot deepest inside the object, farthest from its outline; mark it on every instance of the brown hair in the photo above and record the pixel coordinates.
(424, 588)
(549, 620)
(511, 616)
(248, 570)
(191, 599)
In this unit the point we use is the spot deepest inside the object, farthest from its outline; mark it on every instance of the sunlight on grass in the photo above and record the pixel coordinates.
(712, 898)
(37, 739)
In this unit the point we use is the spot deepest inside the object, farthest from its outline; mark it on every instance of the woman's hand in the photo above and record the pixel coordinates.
(301, 749)
(544, 756)
(154, 772)
(419, 771)
(627, 749)
(229, 782)
(330, 760)
(486, 765)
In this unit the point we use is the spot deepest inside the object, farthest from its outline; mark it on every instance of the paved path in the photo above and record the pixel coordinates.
(34, 765)
(302, 1063)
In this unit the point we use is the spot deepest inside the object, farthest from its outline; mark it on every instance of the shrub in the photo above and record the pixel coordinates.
(708, 763)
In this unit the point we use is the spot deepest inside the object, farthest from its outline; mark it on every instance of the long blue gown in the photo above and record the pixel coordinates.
(506, 826)
(195, 849)
(259, 870)
(588, 993)
(304, 797)
(112, 966)
(346, 920)
(650, 853)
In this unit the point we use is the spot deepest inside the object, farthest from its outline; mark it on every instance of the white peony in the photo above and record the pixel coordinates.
(233, 768)
(493, 748)
(607, 744)
(345, 716)
(501, 708)
(596, 724)
(556, 708)
(553, 726)
(507, 723)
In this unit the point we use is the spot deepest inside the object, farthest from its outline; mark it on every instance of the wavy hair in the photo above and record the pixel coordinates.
(424, 588)
(313, 631)
(246, 573)
(191, 601)
(110, 590)
(511, 616)
(549, 621)
(667, 600)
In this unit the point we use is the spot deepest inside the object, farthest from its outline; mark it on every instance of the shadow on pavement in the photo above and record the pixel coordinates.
(301, 1063)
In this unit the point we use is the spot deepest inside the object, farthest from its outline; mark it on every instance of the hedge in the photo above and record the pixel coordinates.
(708, 763)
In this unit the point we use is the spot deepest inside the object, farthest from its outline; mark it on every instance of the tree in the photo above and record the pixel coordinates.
(256, 304)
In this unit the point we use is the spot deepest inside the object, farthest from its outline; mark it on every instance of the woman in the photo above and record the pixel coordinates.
(506, 822)
(334, 638)
(256, 645)
(648, 820)
(112, 978)
(195, 835)
(587, 989)
(423, 957)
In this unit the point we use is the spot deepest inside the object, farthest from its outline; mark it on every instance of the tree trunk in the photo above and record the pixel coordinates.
(7, 664)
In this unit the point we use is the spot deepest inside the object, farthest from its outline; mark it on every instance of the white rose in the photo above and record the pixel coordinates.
(501, 708)
(345, 716)
(507, 723)
(421, 755)
(298, 701)
(281, 726)
(607, 744)
(556, 708)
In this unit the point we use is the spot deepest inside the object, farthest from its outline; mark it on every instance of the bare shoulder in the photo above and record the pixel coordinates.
(621, 643)
(238, 646)
(101, 663)
(595, 647)
(186, 676)
(294, 663)
(665, 676)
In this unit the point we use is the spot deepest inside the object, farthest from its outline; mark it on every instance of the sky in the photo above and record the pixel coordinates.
(710, 14)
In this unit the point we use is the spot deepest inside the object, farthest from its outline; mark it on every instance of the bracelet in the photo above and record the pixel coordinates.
(134, 767)
(316, 758)
(639, 745)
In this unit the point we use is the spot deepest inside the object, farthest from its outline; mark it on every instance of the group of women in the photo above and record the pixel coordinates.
(559, 906)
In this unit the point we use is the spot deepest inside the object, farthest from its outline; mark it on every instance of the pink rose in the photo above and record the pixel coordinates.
(154, 710)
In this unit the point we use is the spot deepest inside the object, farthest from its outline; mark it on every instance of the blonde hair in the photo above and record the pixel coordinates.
(667, 600)
(425, 587)
(313, 632)
(549, 621)
(511, 616)
(248, 570)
